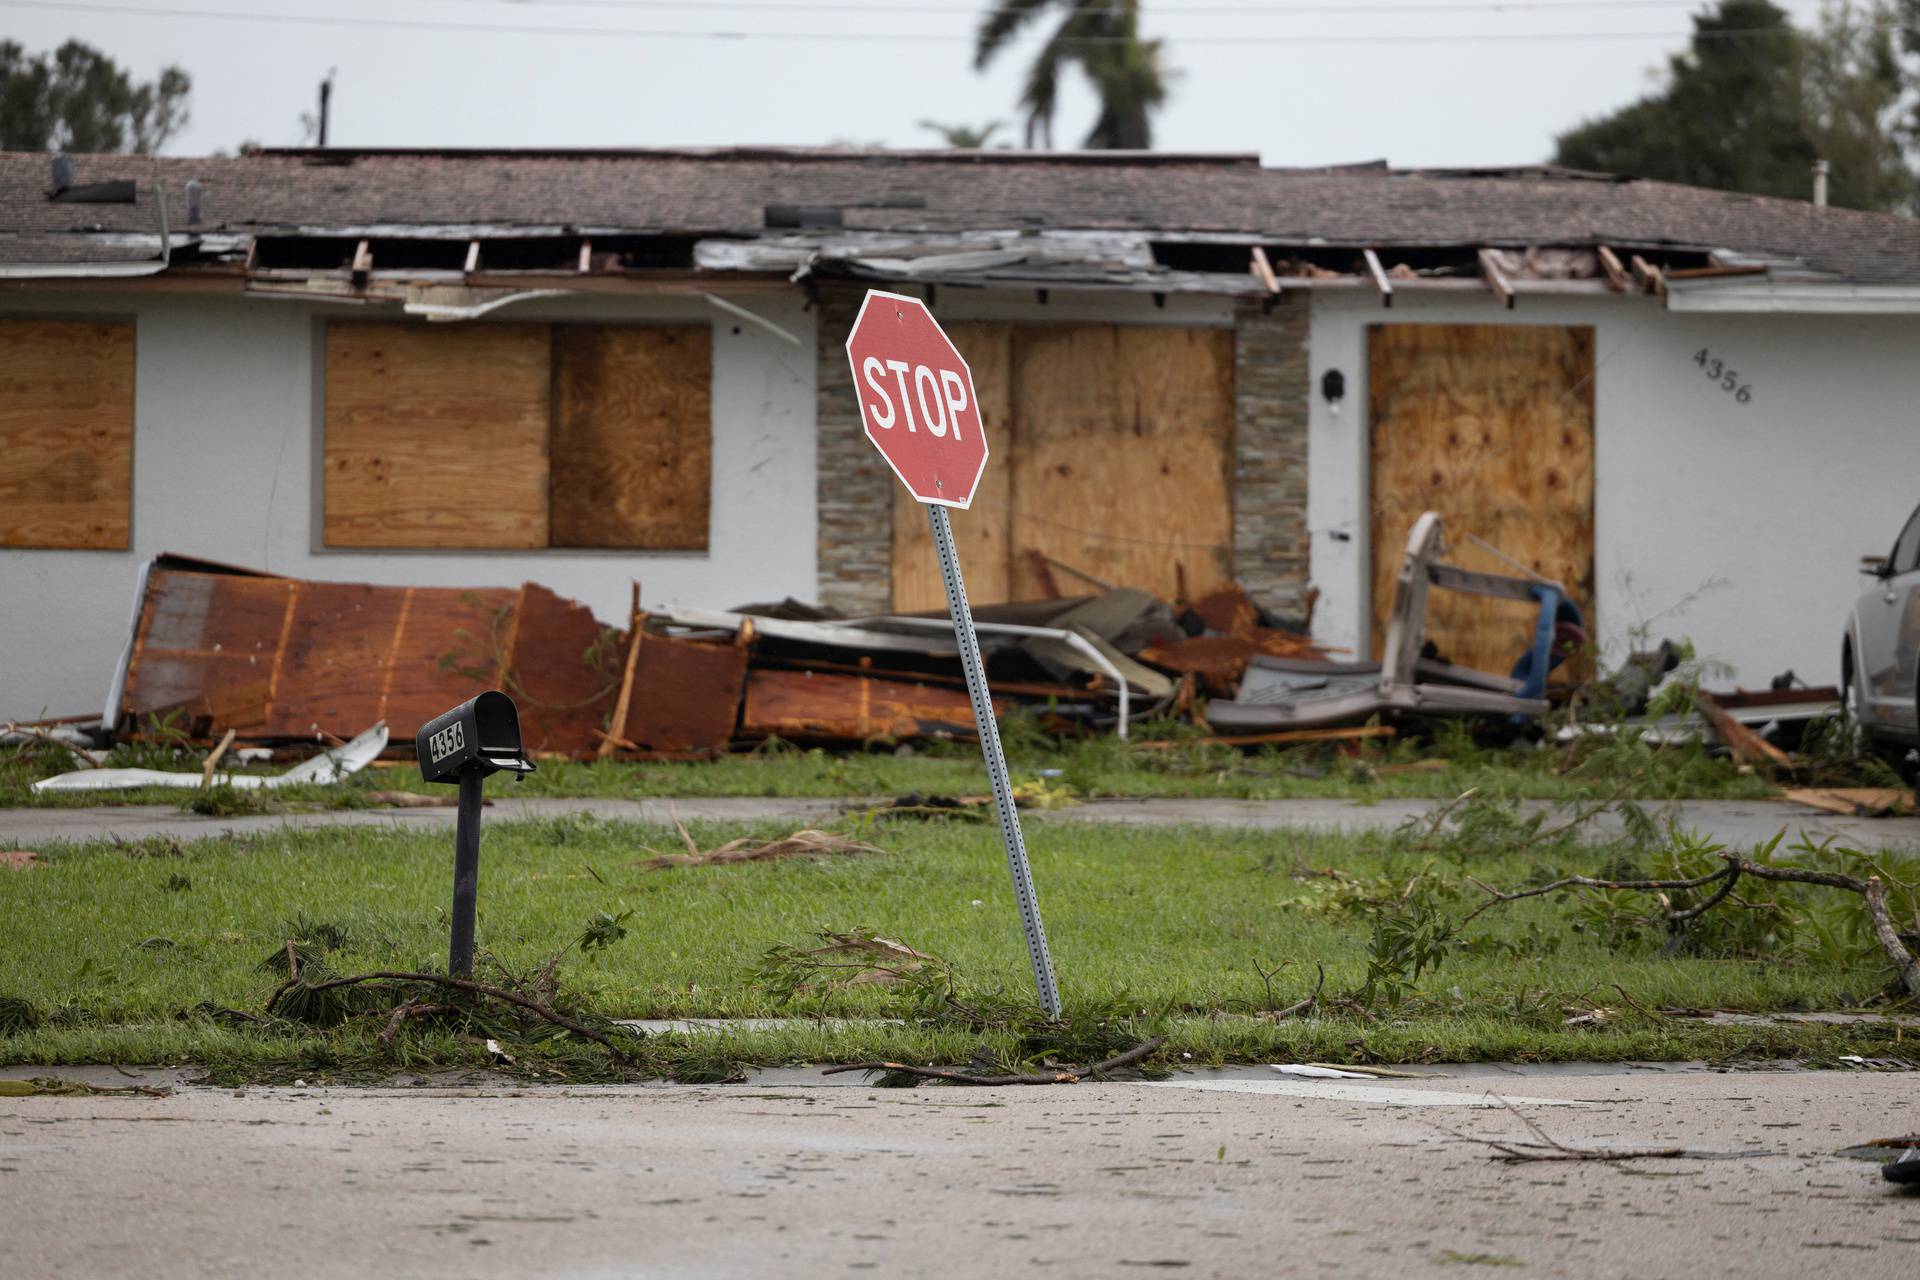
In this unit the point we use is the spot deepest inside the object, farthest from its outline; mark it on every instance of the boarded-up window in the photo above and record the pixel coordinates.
(510, 436)
(632, 451)
(66, 434)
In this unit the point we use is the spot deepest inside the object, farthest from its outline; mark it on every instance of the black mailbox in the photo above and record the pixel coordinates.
(481, 734)
(476, 738)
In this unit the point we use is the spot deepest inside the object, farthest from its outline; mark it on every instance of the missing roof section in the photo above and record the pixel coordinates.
(544, 255)
(1433, 262)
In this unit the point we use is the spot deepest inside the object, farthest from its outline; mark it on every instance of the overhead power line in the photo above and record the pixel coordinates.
(1159, 11)
(365, 23)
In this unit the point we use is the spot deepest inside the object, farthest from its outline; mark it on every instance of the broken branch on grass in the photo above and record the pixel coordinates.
(402, 1012)
(1063, 1075)
(468, 986)
(1872, 890)
(807, 843)
(1308, 1005)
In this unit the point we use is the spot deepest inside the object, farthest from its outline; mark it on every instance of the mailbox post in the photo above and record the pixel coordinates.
(464, 745)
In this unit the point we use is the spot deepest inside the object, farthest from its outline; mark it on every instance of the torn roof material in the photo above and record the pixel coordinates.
(1072, 218)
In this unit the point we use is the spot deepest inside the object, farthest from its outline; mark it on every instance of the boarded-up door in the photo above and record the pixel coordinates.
(1491, 426)
(1112, 452)
(980, 532)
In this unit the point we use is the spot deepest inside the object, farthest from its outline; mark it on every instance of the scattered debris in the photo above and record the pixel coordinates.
(1855, 802)
(1296, 692)
(415, 800)
(328, 767)
(1904, 1168)
(56, 1087)
(20, 859)
(1058, 1075)
(1546, 1148)
(809, 843)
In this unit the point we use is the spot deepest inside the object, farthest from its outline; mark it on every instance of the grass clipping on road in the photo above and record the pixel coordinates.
(1234, 946)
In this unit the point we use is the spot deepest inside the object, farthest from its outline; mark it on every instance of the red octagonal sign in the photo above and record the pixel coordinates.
(916, 399)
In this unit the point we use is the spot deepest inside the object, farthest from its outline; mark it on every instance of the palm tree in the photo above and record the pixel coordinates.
(1103, 38)
(964, 136)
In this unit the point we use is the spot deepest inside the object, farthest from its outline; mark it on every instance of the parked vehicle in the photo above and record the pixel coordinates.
(1880, 664)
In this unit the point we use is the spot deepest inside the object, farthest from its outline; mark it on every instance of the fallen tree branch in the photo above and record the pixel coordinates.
(1872, 890)
(402, 1012)
(1303, 1006)
(1064, 1075)
(1550, 1148)
(1497, 896)
(514, 998)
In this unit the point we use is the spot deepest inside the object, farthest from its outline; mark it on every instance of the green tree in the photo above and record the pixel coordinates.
(1851, 91)
(77, 99)
(1754, 102)
(1728, 117)
(1102, 38)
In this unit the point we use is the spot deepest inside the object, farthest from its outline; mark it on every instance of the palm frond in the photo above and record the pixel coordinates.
(1003, 21)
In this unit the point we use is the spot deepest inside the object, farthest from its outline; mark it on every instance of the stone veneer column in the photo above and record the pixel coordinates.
(855, 486)
(1270, 541)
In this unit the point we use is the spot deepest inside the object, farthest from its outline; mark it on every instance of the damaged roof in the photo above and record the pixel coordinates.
(805, 195)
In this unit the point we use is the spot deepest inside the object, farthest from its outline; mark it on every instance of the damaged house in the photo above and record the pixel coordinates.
(465, 371)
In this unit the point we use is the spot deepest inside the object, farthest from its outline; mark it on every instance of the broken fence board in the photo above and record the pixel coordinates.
(686, 694)
(801, 704)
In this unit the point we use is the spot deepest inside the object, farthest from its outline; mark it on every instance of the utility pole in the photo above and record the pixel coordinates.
(326, 102)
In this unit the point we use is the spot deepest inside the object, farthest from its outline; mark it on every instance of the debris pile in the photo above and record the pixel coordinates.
(219, 653)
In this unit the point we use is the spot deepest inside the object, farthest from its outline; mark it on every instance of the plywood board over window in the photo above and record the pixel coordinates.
(66, 434)
(632, 445)
(1112, 452)
(1491, 426)
(436, 435)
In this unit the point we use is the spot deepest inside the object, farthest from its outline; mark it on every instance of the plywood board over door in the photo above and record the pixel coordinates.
(1491, 426)
(1123, 449)
(980, 533)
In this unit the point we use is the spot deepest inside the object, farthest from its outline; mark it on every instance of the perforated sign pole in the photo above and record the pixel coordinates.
(1010, 833)
(918, 405)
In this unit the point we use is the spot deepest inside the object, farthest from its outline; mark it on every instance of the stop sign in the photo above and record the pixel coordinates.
(916, 399)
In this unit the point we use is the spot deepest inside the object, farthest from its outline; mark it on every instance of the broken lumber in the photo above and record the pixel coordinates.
(1748, 747)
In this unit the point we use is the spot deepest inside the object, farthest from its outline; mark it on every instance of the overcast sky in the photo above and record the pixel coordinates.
(1418, 82)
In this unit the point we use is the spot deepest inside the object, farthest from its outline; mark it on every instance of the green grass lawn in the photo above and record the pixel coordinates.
(1091, 767)
(125, 953)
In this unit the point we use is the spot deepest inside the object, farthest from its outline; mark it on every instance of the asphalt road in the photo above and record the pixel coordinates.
(1734, 822)
(1224, 1176)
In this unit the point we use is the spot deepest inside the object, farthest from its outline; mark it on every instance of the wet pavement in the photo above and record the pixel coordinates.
(1734, 822)
(1222, 1174)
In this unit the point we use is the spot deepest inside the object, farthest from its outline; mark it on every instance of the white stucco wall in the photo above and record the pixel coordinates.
(225, 442)
(1740, 526)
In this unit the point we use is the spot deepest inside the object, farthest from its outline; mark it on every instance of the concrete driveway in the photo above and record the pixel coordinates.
(1232, 1176)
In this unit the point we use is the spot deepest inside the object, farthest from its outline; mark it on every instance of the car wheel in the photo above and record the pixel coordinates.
(1853, 730)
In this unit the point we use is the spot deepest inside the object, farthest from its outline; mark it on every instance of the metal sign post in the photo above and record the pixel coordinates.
(919, 408)
(989, 727)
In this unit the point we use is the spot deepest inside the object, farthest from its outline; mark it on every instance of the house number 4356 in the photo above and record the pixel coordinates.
(1716, 370)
